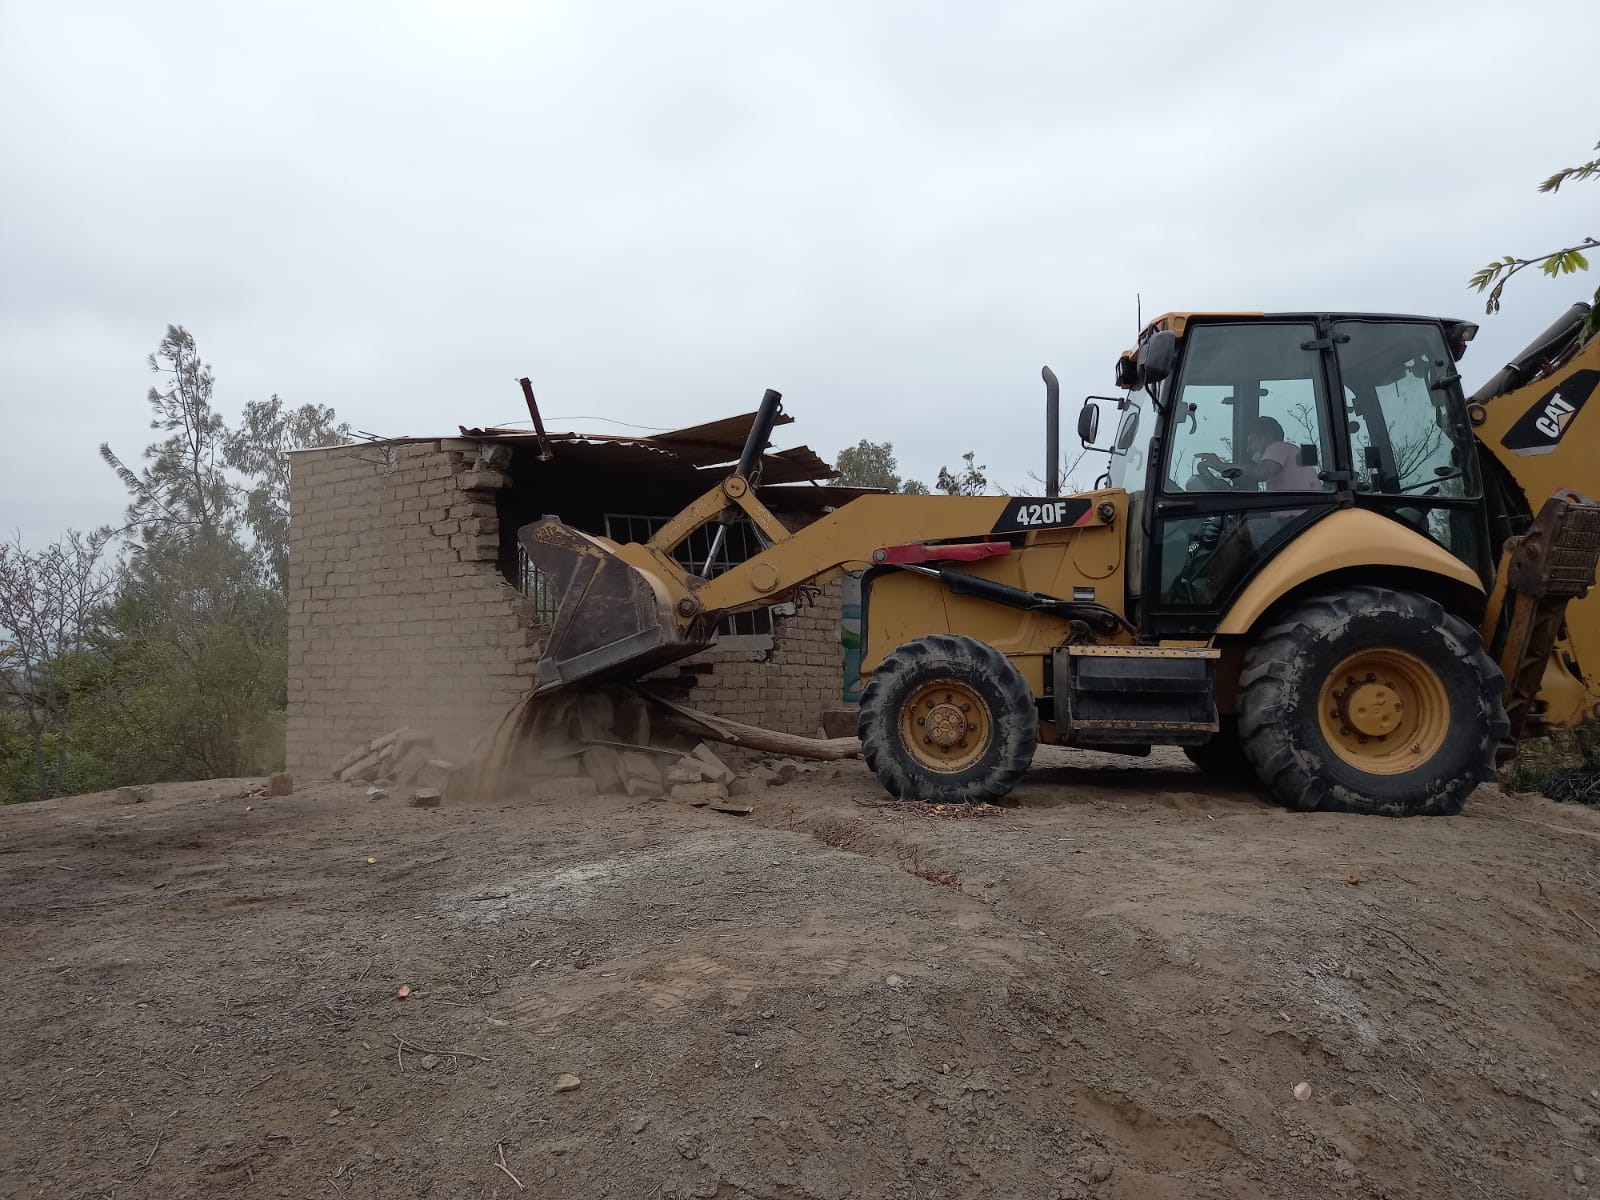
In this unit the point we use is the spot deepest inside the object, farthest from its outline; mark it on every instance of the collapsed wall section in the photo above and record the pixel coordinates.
(398, 612)
(401, 612)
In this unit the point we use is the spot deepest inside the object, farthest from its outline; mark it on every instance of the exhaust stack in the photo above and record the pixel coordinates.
(1052, 433)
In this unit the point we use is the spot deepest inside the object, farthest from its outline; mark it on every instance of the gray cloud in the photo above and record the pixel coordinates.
(893, 213)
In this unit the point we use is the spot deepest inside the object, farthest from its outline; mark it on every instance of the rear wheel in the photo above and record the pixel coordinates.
(1371, 701)
(948, 720)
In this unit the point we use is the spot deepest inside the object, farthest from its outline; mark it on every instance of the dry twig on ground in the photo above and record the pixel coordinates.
(500, 1156)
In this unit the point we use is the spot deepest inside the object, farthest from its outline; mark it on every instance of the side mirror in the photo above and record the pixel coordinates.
(1088, 423)
(1157, 357)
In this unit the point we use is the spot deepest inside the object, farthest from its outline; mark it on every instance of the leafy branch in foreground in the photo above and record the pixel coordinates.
(1566, 261)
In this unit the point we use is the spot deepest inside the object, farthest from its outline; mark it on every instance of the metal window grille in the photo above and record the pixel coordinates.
(741, 542)
(536, 586)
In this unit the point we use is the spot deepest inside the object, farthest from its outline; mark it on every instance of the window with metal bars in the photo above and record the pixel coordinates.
(740, 543)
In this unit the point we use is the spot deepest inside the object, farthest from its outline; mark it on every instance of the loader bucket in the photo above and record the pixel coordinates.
(612, 620)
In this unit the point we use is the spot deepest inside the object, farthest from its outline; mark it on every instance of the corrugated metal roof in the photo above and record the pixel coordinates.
(708, 445)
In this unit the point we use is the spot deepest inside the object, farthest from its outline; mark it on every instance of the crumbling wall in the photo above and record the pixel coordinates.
(398, 614)
(790, 686)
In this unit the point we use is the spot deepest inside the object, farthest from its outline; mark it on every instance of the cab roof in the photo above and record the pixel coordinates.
(1178, 322)
(1457, 331)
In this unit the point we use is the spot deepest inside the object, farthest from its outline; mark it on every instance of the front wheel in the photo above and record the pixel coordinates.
(1371, 701)
(949, 720)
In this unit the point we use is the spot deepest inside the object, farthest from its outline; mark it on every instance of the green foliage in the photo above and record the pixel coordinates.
(48, 598)
(1568, 260)
(176, 666)
(872, 464)
(969, 480)
(259, 448)
(1587, 171)
(182, 491)
(186, 677)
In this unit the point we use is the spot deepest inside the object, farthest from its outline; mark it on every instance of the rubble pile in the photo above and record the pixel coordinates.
(403, 757)
(608, 742)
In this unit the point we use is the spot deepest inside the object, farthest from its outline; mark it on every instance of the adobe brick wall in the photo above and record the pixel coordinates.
(800, 677)
(398, 613)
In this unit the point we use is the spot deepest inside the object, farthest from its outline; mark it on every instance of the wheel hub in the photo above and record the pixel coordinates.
(1372, 709)
(947, 725)
(1384, 710)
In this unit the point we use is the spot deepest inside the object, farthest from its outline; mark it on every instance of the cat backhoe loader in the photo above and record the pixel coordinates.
(1311, 557)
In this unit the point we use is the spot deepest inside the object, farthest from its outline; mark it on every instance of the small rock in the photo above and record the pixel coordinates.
(1302, 1091)
(280, 783)
(567, 1083)
(427, 798)
(750, 788)
(895, 981)
(1579, 1175)
(739, 808)
(738, 1030)
(640, 1124)
(1345, 1169)
(787, 773)
(429, 1062)
(1100, 1171)
(377, 793)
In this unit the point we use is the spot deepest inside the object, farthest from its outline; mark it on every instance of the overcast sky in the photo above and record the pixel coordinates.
(892, 213)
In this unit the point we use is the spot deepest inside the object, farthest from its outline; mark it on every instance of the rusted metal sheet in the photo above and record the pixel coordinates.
(715, 441)
(701, 449)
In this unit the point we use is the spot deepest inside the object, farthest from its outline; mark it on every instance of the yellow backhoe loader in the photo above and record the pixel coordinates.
(1311, 557)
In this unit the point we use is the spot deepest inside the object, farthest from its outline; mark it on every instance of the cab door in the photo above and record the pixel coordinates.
(1244, 393)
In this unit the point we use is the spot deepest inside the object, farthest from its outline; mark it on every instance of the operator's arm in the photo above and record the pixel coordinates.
(1249, 472)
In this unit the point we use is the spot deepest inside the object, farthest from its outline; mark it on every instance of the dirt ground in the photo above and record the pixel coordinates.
(1110, 989)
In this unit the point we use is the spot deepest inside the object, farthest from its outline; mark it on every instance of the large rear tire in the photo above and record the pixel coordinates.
(1370, 701)
(948, 720)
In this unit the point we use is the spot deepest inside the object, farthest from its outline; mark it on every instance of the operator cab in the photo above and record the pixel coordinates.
(1238, 431)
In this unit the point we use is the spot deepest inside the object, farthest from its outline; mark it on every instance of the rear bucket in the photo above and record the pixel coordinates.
(612, 620)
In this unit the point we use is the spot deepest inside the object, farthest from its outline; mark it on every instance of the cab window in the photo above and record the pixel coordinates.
(1408, 430)
(1248, 412)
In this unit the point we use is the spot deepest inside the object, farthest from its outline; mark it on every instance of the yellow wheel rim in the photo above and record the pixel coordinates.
(946, 726)
(1384, 711)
